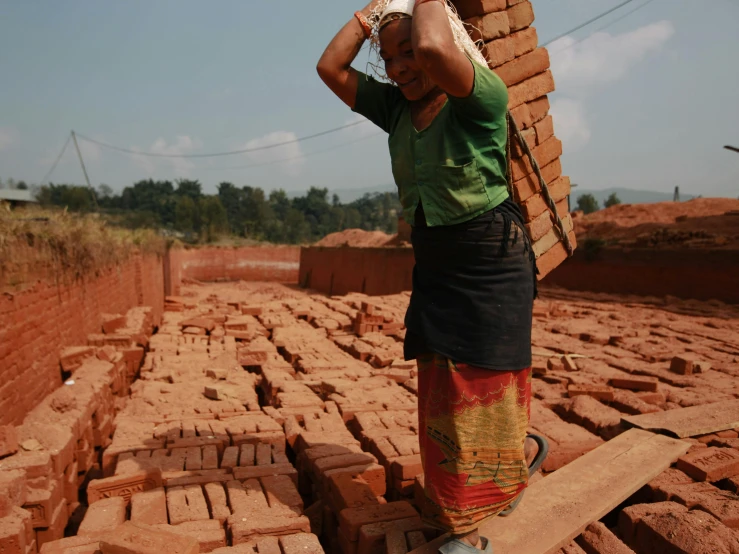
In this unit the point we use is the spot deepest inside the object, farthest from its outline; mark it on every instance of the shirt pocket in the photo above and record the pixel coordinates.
(461, 189)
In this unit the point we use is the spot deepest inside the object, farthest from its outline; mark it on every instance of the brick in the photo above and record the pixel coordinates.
(681, 366)
(372, 474)
(407, 467)
(529, 135)
(35, 464)
(722, 505)
(635, 383)
(265, 523)
(524, 41)
(544, 154)
(372, 535)
(598, 539)
(524, 67)
(537, 229)
(344, 460)
(551, 259)
(631, 516)
(594, 416)
(244, 473)
(186, 504)
(8, 440)
(73, 545)
(351, 519)
(551, 238)
(230, 457)
(544, 129)
(710, 464)
(104, 515)
(347, 490)
(684, 533)
(16, 533)
(539, 108)
(12, 490)
(246, 498)
(208, 533)
(395, 542)
(471, 8)
(269, 545)
(281, 491)
(522, 116)
(416, 539)
(132, 538)
(520, 16)
(200, 477)
(263, 454)
(300, 543)
(123, 485)
(490, 26)
(149, 507)
(215, 496)
(597, 392)
(42, 503)
(247, 456)
(499, 51)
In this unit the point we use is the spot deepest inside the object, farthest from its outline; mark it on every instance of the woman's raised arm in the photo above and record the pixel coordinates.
(435, 51)
(334, 67)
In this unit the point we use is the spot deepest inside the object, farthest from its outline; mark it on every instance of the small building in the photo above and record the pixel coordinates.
(17, 197)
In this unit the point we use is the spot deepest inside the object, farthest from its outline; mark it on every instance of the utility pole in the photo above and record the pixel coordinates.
(732, 148)
(82, 163)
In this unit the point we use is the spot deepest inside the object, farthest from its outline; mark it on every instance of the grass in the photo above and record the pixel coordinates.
(40, 243)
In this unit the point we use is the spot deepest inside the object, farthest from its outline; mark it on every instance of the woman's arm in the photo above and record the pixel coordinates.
(437, 54)
(334, 67)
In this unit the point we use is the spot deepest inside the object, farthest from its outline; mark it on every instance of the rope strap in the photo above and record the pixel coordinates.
(516, 132)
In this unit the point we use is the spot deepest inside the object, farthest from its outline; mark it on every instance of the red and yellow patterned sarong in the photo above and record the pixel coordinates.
(472, 428)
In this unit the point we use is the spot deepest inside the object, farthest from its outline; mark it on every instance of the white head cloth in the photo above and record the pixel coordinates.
(461, 36)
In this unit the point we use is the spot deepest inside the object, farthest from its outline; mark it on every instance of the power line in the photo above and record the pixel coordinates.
(588, 22)
(315, 152)
(218, 154)
(59, 157)
(599, 29)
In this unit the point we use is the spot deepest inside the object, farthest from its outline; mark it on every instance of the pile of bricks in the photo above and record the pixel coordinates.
(47, 459)
(511, 48)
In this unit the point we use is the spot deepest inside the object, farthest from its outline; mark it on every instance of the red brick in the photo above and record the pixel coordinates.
(352, 519)
(499, 51)
(524, 67)
(537, 229)
(209, 533)
(281, 491)
(598, 539)
(131, 538)
(490, 26)
(12, 490)
(104, 515)
(552, 237)
(597, 392)
(544, 154)
(524, 41)
(684, 533)
(123, 485)
(521, 15)
(215, 495)
(471, 8)
(372, 535)
(300, 543)
(631, 516)
(395, 542)
(553, 257)
(8, 440)
(635, 383)
(544, 129)
(347, 490)
(539, 108)
(372, 474)
(522, 116)
(16, 533)
(246, 529)
(149, 507)
(407, 467)
(681, 366)
(710, 464)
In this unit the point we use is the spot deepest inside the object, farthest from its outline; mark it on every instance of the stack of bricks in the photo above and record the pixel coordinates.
(369, 320)
(511, 48)
(57, 447)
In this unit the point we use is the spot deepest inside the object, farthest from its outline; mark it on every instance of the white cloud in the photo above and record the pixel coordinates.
(183, 144)
(291, 153)
(582, 68)
(7, 137)
(604, 58)
(571, 123)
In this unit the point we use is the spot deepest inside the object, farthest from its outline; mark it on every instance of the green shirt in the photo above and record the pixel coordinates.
(456, 167)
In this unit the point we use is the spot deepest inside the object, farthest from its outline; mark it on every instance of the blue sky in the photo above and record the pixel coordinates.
(647, 103)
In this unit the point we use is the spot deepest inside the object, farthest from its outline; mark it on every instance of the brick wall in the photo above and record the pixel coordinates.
(372, 271)
(36, 323)
(257, 263)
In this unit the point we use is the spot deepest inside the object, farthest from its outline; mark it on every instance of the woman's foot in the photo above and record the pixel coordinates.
(530, 450)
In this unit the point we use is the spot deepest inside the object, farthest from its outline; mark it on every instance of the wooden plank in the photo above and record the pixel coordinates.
(559, 507)
(689, 422)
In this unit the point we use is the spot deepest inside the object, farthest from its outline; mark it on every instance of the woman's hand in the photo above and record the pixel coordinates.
(334, 67)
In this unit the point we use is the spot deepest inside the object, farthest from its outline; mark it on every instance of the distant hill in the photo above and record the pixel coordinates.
(627, 196)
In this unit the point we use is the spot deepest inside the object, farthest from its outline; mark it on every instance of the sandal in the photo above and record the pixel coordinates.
(533, 468)
(456, 546)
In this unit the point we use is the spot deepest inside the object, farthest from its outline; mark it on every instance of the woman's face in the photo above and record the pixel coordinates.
(396, 50)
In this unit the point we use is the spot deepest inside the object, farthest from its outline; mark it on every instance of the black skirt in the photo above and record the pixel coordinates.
(473, 291)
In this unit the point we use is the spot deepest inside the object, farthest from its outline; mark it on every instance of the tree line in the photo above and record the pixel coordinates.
(183, 209)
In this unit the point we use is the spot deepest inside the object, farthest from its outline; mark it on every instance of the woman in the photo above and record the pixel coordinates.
(470, 313)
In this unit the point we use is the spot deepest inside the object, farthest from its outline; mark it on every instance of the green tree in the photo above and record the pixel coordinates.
(214, 220)
(186, 215)
(612, 200)
(587, 203)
